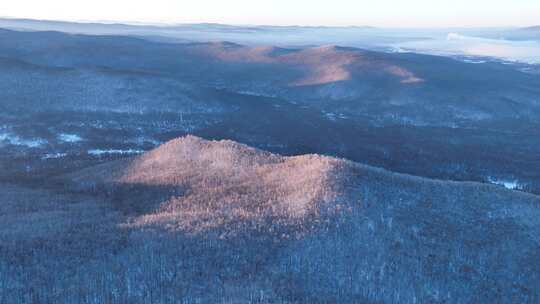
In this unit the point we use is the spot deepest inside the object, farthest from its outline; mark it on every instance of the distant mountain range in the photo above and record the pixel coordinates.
(151, 30)
(535, 28)
(326, 99)
(387, 87)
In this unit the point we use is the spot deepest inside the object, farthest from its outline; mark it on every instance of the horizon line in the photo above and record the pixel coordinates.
(171, 24)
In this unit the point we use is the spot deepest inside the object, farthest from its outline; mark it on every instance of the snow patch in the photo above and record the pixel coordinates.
(53, 155)
(15, 140)
(455, 36)
(334, 116)
(145, 140)
(258, 94)
(508, 184)
(397, 49)
(100, 152)
(472, 61)
(71, 138)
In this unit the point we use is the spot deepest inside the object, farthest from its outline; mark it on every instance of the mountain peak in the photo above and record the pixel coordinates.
(220, 182)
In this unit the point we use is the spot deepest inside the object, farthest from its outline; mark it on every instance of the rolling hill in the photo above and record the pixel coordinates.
(293, 229)
(202, 184)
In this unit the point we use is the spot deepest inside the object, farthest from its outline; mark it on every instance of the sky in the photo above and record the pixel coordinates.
(381, 13)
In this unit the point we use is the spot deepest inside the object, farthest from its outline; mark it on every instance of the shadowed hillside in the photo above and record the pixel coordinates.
(199, 221)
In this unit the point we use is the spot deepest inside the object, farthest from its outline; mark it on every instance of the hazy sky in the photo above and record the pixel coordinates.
(388, 13)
